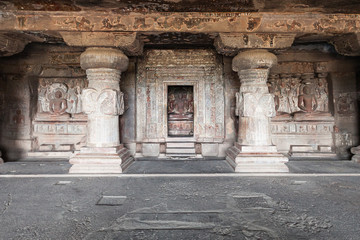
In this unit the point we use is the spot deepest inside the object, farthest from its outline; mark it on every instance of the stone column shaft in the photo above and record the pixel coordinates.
(256, 105)
(103, 126)
(254, 152)
(103, 103)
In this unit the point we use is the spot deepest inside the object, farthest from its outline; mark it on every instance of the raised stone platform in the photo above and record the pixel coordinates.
(256, 159)
(101, 160)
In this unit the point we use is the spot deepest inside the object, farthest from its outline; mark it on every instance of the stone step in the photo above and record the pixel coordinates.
(180, 145)
(181, 156)
(180, 139)
(181, 150)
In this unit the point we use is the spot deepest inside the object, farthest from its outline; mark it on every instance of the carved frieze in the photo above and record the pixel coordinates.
(299, 92)
(59, 128)
(318, 128)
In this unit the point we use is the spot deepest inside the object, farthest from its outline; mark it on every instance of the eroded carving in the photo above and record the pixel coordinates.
(107, 101)
(59, 98)
(297, 92)
(54, 129)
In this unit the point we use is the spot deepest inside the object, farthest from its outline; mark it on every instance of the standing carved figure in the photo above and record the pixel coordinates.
(322, 95)
(72, 101)
(284, 105)
(43, 101)
(294, 94)
(271, 88)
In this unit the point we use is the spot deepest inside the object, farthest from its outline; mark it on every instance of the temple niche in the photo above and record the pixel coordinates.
(59, 124)
(302, 114)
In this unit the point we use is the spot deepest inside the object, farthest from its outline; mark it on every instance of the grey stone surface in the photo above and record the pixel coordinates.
(189, 207)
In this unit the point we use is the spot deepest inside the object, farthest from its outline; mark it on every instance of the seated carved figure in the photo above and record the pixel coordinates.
(58, 105)
(307, 101)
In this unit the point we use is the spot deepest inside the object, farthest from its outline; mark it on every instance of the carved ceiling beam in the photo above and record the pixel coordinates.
(193, 22)
(229, 44)
(127, 42)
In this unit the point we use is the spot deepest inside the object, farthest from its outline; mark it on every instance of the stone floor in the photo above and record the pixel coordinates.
(180, 200)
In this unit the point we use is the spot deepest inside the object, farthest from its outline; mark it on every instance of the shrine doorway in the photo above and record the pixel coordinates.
(180, 111)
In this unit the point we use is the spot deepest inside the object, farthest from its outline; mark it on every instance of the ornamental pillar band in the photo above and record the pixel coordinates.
(253, 151)
(103, 102)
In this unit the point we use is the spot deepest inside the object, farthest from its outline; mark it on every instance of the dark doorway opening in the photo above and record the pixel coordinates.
(180, 111)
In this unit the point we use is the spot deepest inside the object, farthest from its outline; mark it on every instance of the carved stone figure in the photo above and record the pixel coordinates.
(171, 103)
(58, 104)
(180, 111)
(74, 100)
(346, 104)
(43, 101)
(294, 90)
(71, 92)
(284, 105)
(322, 95)
(271, 88)
(18, 118)
(307, 101)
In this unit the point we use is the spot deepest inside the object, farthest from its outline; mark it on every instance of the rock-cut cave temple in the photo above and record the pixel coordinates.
(103, 83)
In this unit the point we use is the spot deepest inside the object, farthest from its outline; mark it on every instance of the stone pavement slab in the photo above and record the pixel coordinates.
(179, 167)
(236, 207)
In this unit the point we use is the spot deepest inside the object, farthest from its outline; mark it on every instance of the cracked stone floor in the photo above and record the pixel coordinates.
(180, 200)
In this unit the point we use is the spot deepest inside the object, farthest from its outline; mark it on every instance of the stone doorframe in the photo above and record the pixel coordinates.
(195, 85)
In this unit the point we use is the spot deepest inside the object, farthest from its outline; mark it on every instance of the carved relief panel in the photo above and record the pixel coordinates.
(60, 123)
(302, 113)
(306, 92)
(57, 98)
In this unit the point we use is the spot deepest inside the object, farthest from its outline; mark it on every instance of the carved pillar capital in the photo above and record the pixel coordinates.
(253, 99)
(253, 59)
(100, 57)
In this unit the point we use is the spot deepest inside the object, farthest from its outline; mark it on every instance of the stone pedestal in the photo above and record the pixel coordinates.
(356, 152)
(254, 152)
(103, 102)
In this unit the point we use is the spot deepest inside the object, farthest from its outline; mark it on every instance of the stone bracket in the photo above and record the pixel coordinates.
(348, 44)
(127, 42)
(229, 44)
(13, 42)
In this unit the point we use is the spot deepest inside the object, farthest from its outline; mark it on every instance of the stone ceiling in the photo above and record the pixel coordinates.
(327, 6)
(229, 25)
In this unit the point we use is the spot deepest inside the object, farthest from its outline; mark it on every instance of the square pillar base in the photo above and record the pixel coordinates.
(101, 160)
(264, 159)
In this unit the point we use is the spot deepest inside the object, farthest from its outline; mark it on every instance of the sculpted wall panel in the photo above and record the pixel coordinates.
(303, 125)
(60, 122)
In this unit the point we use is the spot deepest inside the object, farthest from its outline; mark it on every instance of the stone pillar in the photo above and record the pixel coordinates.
(253, 151)
(103, 102)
